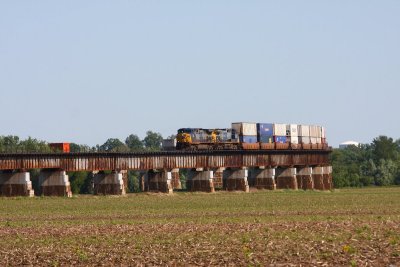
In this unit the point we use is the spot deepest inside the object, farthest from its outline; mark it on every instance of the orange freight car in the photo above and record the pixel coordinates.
(60, 147)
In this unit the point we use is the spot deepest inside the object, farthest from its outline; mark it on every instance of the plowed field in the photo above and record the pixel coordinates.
(356, 227)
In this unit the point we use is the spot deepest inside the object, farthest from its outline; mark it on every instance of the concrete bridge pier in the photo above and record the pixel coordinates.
(305, 179)
(318, 177)
(327, 178)
(263, 178)
(218, 177)
(236, 179)
(159, 181)
(175, 179)
(200, 180)
(109, 183)
(16, 183)
(54, 183)
(286, 178)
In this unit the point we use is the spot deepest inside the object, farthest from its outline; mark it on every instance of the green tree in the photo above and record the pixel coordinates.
(113, 145)
(368, 170)
(77, 180)
(384, 148)
(74, 148)
(346, 166)
(9, 144)
(172, 136)
(134, 143)
(386, 172)
(153, 141)
(81, 148)
(133, 182)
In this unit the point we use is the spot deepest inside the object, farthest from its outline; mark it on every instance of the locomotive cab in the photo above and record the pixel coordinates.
(184, 138)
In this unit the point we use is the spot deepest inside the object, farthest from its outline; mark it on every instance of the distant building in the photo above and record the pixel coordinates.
(348, 143)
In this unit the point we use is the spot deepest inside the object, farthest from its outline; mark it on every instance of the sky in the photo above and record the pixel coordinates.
(86, 71)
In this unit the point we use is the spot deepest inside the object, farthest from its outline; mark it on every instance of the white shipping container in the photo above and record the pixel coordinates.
(319, 132)
(304, 130)
(305, 139)
(323, 132)
(319, 140)
(279, 129)
(315, 131)
(294, 139)
(313, 140)
(245, 128)
(291, 130)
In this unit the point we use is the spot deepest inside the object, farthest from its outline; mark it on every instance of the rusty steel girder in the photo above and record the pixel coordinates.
(164, 160)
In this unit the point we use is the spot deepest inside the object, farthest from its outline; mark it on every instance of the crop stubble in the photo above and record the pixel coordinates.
(344, 227)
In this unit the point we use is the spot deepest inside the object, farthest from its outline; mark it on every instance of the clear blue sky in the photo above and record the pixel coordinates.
(84, 71)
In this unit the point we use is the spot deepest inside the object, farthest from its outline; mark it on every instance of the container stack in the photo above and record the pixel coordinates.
(323, 136)
(247, 134)
(280, 137)
(265, 132)
(315, 136)
(304, 136)
(265, 135)
(292, 135)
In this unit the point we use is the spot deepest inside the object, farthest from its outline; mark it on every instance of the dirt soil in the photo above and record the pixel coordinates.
(353, 227)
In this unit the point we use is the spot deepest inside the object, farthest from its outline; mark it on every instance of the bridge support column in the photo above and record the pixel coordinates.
(327, 178)
(159, 181)
(125, 179)
(15, 184)
(143, 181)
(109, 184)
(305, 179)
(175, 179)
(236, 180)
(200, 180)
(54, 183)
(318, 177)
(286, 178)
(218, 177)
(264, 178)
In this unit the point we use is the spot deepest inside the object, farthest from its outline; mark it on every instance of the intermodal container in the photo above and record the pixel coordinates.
(60, 147)
(323, 132)
(315, 131)
(280, 139)
(291, 130)
(313, 140)
(245, 128)
(265, 129)
(266, 139)
(304, 139)
(279, 129)
(169, 144)
(303, 130)
(248, 138)
(293, 139)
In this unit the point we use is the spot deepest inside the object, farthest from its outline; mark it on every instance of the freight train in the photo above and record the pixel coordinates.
(252, 136)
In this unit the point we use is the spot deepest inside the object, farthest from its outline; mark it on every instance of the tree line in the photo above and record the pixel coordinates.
(377, 163)
(151, 142)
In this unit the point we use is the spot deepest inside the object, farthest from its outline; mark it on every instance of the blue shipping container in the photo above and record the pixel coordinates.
(248, 139)
(280, 139)
(266, 139)
(265, 129)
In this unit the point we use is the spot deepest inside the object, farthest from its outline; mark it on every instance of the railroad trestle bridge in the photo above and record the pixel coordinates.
(206, 170)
